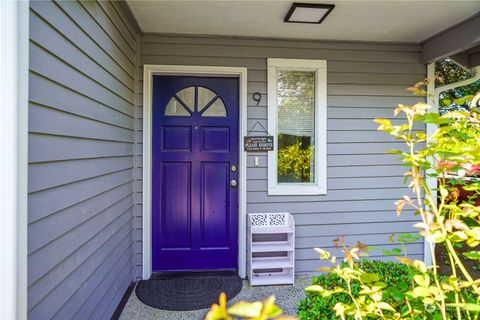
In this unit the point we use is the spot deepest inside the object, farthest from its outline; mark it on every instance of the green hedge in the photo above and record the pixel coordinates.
(314, 307)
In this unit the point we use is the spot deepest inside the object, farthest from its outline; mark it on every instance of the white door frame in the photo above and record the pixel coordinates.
(148, 72)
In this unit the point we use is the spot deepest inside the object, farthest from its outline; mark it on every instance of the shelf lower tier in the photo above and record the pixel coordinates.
(271, 263)
(271, 279)
(271, 246)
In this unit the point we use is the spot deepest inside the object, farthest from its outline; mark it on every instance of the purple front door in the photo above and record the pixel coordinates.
(195, 161)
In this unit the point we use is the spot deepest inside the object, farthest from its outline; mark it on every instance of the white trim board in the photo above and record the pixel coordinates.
(431, 128)
(14, 37)
(319, 186)
(433, 100)
(148, 72)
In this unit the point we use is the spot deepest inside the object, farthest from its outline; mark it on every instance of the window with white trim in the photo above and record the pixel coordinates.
(297, 118)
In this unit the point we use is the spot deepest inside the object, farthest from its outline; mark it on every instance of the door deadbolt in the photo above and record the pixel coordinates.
(233, 183)
(234, 168)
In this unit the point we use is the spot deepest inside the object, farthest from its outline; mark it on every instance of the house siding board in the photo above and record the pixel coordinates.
(52, 14)
(41, 204)
(115, 274)
(54, 68)
(45, 148)
(45, 231)
(45, 92)
(81, 159)
(46, 175)
(127, 18)
(379, 240)
(342, 183)
(69, 125)
(310, 266)
(61, 248)
(112, 46)
(47, 37)
(71, 289)
(365, 80)
(309, 254)
(187, 50)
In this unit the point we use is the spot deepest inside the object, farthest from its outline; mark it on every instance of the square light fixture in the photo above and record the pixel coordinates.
(308, 12)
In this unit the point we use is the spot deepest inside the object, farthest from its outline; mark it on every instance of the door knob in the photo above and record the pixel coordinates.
(233, 183)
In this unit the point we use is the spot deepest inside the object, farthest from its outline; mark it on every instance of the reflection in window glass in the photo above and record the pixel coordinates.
(204, 97)
(296, 126)
(216, 109)
(187, 95)
(175, 108)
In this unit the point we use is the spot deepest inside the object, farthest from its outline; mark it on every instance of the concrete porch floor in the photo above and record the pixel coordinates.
(287, 298)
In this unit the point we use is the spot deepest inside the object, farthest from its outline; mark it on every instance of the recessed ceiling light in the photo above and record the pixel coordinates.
(308, 12)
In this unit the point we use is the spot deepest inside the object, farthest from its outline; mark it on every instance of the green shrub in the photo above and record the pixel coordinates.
(294, 161)
(394, 275)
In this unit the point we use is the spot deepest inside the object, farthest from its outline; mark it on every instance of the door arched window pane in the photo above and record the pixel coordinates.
(216, 109)
(205, 96)
(187, 96)
(175, 108)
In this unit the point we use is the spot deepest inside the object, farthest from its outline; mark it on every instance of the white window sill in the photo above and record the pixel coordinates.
(295, 189)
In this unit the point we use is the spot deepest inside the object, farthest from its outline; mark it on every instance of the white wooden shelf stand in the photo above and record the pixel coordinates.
(271, 248)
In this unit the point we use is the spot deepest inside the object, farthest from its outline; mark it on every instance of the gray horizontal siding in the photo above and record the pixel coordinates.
(365, 80)
(311, 265)
(309, 254)
(81, 159)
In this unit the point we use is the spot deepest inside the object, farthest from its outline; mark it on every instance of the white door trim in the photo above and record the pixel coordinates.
(148, 72)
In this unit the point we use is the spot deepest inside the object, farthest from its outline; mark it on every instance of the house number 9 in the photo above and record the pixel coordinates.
(257, 97)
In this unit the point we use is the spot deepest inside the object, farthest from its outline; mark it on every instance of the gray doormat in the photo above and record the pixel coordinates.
(188, 292)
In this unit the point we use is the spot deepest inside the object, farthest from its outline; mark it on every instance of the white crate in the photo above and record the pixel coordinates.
(271, 262)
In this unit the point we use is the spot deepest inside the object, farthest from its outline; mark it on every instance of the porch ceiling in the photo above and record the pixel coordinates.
(395, 21)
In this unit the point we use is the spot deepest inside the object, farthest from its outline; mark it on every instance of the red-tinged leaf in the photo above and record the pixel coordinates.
(399, 206)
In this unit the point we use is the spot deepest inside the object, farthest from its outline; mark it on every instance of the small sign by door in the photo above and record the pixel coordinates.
(258, 143)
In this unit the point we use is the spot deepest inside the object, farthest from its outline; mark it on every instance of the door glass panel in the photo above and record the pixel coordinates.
(204, 97)
(175, 108)
(187, 95)
(216, 109)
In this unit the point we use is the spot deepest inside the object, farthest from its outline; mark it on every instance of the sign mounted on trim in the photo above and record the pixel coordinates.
(258, 143)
